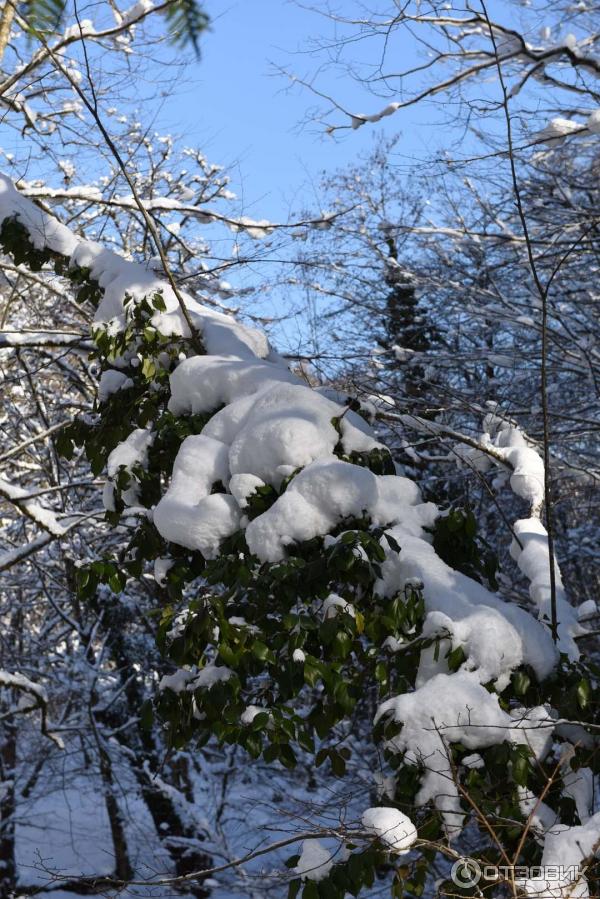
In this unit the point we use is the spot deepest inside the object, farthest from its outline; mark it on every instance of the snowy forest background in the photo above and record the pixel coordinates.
(187, 695)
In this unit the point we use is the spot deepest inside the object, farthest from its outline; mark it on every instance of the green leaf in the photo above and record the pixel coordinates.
(583, 693)
(520, 770)
(311, 890)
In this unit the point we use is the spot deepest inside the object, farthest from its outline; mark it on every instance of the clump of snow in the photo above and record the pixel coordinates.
(526, 464)
(571, 848)
(557, 130)
(533, 559)
(449, 708)
(587, 609)
(496, 636)
(593, 122)
(111, 381)
(161, 568)
(250, 713)
(334, 603)
(243, 486)
(315, 861)
(324, 493)
(188, 514)
(392, 827)
(132, 451)
(186, 680)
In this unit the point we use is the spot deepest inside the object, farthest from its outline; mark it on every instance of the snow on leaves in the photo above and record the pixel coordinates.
(302, 586)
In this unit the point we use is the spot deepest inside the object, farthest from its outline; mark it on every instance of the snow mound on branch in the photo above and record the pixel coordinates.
(189, 514)
(571, 848)
(450, 708)
(496, 636)
(323, 494)
(121, 278)
(111, 381)
(527, 466)
(270, 420)
(315, 861)
(132, 451)
(533, 560)
(392, 828)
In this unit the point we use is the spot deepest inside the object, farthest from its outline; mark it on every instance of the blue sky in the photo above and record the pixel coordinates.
(240, 112)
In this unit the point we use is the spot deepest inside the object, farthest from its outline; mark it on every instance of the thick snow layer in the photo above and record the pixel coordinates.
(527, 466)
(270, 420)
(44, 230)
(111, 381)
(202, 525)
(188, 514)
(120, 278)
(534, 561)
(203, 383)
(315, 861)
(323, 494)
(133, 451)
(391, 826)
(496, 636)
(570, 847)
(449, 708)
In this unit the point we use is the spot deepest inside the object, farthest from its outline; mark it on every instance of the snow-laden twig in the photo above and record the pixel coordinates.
(24, 684)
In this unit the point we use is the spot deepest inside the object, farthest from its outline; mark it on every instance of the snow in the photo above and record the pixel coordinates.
(527, 466)
(449, 708)
(333, 603)
(315, 861)
(266, 426)
(579, 786)
(323, 494)
(111, 381)
(161, 568)
(202, 525)
(183, 679)
(132, 451)
(188, 514)
(593, 122)
(46, 518)
(473, 761)
(243, 486)
(392, 828)
(138, 9)
(533, 560)
(497, 636)
(20, 682)
(557, 130)
(570, 847)
(533, 728)
(587, 609)
(250, 713)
